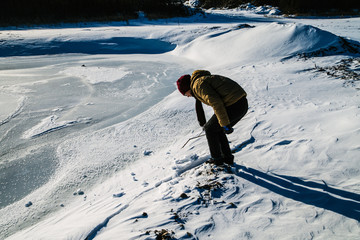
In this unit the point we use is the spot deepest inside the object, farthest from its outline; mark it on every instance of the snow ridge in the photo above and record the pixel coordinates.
(16, 111)
(93, 233)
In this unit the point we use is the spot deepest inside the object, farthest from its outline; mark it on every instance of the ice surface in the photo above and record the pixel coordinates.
(53, 98)
(97, 74)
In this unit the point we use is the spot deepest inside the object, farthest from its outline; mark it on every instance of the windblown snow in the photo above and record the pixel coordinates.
(93, 128)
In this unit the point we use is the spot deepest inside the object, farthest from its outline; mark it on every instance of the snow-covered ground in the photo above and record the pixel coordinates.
(92, 129)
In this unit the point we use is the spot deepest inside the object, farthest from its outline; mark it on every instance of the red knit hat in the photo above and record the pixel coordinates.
(183, 84)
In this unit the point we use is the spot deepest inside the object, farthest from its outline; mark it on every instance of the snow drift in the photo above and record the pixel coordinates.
(247, 44)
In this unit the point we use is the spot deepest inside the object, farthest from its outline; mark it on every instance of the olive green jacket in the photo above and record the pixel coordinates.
(216, 91)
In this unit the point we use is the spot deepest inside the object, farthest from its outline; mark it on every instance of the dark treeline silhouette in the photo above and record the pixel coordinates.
(294, 6)
(18, 12)
(53, 11)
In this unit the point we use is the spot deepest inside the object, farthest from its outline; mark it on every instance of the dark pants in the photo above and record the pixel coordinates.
(217, 140)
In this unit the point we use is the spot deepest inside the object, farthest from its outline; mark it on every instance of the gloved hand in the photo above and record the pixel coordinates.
(228, 129)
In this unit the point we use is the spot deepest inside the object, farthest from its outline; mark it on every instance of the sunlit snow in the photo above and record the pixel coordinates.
(92, 129)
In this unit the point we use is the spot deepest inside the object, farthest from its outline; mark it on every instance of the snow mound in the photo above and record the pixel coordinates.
(193, 3)
(273, 40)
(265, 10)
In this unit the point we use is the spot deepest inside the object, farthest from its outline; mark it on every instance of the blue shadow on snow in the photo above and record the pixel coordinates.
(116, 45)
(335, 200)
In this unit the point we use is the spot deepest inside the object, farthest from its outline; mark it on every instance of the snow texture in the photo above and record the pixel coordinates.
(92, 129)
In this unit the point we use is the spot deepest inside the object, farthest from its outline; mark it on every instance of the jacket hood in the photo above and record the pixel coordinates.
(199, 73)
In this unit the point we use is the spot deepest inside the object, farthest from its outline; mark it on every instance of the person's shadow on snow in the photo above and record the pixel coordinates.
(308, 192)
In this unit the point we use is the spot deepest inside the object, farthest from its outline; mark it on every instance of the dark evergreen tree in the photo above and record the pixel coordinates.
(47, 11)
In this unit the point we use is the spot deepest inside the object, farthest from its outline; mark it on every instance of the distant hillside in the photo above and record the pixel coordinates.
(304, 7)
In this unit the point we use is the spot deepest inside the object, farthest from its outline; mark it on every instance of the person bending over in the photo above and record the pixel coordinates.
(228, 100)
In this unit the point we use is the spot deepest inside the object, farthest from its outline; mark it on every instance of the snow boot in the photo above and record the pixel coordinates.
(229, 160)
(216, 161)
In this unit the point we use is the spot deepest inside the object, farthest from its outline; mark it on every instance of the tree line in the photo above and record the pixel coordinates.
(17, 12)
(53, 11)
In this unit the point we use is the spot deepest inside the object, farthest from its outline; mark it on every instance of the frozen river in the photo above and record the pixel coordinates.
(46, 99)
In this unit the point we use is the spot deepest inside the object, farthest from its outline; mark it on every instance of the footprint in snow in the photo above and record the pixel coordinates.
(147, 152)
(118, 195)
(134, 178)
(187, 159)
